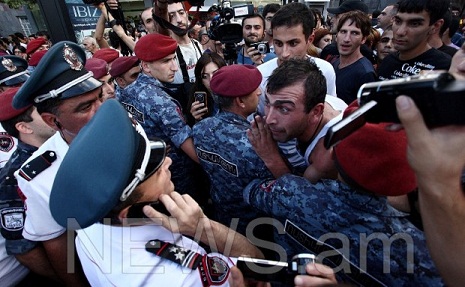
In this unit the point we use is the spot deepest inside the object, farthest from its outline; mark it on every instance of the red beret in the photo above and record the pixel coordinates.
(34, 45)
(122, 65)
(375, 159)
(35, 58)
(154, 47)
(97, 66)
(106, 54)
(235, 80)
(6, 109)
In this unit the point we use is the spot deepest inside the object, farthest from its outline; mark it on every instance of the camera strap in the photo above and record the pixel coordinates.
(182, 62)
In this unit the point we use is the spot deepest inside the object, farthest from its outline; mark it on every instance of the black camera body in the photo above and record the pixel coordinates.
(278, 273)
(261, 47)
(439, 96)
(221, 27)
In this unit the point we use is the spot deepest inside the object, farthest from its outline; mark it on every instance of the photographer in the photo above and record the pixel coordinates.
(253, 31)
(188, 51)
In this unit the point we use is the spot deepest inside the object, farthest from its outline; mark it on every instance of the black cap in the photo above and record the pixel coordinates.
(350, 5)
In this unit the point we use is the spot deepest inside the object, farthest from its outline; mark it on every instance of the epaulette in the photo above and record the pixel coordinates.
(213, 270)
(37, 165)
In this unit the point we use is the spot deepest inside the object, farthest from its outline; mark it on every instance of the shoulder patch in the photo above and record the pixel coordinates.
(266, 186)
(214, 271)
(6, 142)
(12, 218)
(37, 165)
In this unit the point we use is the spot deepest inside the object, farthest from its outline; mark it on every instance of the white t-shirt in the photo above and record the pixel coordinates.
(338, 105)
(8, 145)
(39, 224)
(267, 68)
(191, 55)
(116, 256)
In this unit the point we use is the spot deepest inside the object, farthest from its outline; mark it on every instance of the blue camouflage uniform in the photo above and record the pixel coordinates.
(12, 205)
(160, 116)
(227, 156)
(333, 207)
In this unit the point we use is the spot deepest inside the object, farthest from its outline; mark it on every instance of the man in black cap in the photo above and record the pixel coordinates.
(130, 172)
(13, 72)
(330, 52)
(66, 96)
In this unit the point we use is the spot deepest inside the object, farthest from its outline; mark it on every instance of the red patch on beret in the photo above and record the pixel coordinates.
(122, 65)
(376, 159)
(35, 58)
(97, 66)
(34, 45)
(6, 109)
(106, 54)
(235, 80)
(154, 47)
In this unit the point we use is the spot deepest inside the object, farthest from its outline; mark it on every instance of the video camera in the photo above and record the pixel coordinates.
(278, 273)
(222, 29)
(439, 97)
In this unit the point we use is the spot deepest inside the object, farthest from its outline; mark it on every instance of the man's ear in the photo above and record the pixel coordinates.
(145, 66)
(312, 36)
(436, 27)
(50, 120)
(239, 102)
(23, 128)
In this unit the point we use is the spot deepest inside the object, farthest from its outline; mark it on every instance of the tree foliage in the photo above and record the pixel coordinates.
(16, 4)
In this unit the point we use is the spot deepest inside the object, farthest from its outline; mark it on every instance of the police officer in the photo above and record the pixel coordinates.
(28, 127)
(124, 71)
(352, 214)
(66, 96)
(149, 101)
(129, 172)
(13, 72)
(221, 142)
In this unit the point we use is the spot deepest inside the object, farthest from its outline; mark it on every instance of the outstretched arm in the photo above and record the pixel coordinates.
(438, 158)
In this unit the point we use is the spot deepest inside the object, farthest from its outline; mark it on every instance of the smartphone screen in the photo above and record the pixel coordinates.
(263, 270)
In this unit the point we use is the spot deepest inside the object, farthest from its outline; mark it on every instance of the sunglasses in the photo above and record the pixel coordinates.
(154, 156)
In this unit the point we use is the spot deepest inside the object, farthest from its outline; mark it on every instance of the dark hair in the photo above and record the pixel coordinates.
(225, 102)
(115, 41)
(435, 8)
(133, 198)
(447, 19)
(20, 35)
(317, 15)
(43, 34)
(294, 14)
(19, 47)
(375, 13)
(49, 106)
(198, 85)
(296, 71)
(253, 16)
(270, 8)
(360, 19)
(10, 125)
(454, 26)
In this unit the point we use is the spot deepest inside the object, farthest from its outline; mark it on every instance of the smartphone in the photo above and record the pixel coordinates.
(348, 125)
(264, 270)
(201, 97)
(135, 211)
(439, 97)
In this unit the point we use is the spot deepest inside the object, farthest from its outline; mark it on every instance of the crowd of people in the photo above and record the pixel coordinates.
(167, 164)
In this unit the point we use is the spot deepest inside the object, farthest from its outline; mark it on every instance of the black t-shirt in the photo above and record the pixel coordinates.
(448, 50)
(393, 68)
